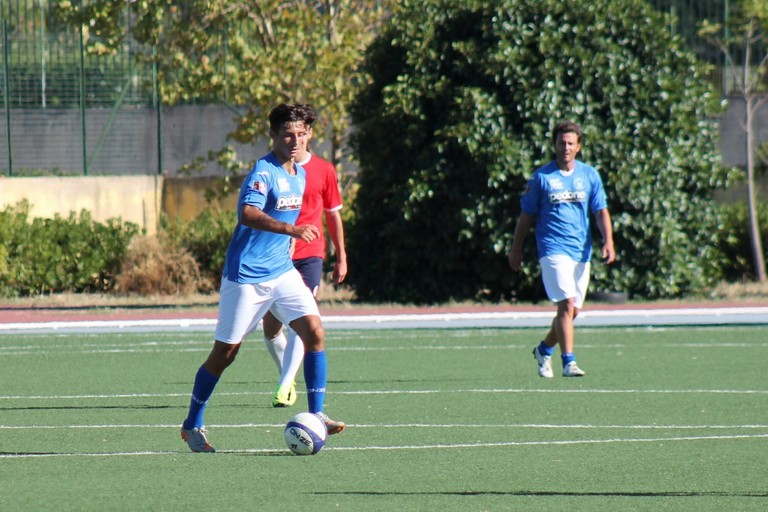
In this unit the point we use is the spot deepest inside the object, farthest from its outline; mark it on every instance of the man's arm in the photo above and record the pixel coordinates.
(606, 230)
(254, 218)
(524, 223)
(336, 234)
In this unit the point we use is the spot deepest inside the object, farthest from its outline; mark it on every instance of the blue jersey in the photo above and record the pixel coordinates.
(255, 256)
(561, 203)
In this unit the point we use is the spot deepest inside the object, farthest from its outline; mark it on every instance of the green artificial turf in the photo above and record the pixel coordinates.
(438, 420)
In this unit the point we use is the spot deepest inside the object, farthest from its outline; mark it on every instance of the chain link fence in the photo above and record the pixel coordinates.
(67, 112)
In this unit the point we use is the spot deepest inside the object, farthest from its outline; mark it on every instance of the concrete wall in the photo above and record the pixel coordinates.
(732, 135)
(135, 199)
(185, 198)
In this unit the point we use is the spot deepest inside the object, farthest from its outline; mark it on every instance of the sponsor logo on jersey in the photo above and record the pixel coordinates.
(568, 196)
(287, 203)
(556, 184)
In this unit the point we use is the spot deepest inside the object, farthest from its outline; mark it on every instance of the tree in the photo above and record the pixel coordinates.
(462, 99)
(252, 54)
(746, 31)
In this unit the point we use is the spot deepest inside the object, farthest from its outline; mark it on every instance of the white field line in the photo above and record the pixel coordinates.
(407, 447)
(207, 349)
(545, 426)
(198, 346)
(401, 392)
(705, 315)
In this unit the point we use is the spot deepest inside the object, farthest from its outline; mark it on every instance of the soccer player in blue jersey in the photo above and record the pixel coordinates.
(558, 199)
(259, 275)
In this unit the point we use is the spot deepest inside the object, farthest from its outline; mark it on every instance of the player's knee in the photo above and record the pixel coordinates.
(221, 357)
(271, 332)
(315, 339)
(272, 326)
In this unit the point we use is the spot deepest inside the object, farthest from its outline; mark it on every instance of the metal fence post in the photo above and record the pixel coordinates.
(82, 95)
(7, 97)
(157, 99)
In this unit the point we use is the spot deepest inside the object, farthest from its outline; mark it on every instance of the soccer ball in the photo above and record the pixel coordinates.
(305, 434)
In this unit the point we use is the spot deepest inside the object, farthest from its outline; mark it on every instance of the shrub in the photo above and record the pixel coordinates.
(153, 266)
(458, 112)
(73, 254)
(206, 239)
(734, 243)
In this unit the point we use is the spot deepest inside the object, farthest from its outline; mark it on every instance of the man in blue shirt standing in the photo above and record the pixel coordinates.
(558, 199)
(259, 275)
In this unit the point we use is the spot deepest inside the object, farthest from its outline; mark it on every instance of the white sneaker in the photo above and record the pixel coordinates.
(196, 440)
(545, 364)
(333, 426)
(571, 370)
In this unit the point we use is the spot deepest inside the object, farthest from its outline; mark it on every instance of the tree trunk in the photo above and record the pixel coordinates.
(758, 258)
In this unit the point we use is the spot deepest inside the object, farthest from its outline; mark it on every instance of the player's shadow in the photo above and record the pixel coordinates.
(625, 494)
(91, 407)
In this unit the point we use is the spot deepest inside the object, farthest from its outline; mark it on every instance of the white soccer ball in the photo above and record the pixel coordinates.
(305, 434)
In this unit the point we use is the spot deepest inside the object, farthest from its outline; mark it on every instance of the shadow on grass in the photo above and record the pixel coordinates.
(667, 494)
(91, 407)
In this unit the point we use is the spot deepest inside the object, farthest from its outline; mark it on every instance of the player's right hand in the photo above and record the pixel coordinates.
(515, 259)
(306, 233)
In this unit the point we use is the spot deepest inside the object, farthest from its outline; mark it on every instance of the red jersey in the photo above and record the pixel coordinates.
(320, 195)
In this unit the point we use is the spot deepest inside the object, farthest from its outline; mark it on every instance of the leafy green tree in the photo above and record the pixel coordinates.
(746, 31)
(251, 54)
(462, 99)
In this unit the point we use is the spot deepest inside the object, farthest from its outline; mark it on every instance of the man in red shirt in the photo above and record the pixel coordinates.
(320, 195)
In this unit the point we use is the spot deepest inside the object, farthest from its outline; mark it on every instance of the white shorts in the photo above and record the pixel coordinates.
(242, 306)
(565, 278)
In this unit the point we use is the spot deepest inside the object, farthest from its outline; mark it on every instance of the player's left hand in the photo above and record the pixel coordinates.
(339, 271)
(609, 254)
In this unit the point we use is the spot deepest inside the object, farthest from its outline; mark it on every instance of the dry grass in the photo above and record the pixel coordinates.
(329, 295)
(740, 291)
(153, 267)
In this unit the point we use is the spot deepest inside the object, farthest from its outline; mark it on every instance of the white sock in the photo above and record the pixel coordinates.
(294, 355)
(276, 348)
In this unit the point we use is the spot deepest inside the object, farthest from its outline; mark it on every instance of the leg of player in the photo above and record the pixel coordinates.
(206, 378)
(276, 343)
(566, 312)
(543, 353)
(285, 395)
(274, 339)
(310, 330)
(241, 307)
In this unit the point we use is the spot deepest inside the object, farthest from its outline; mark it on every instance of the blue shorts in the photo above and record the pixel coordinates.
(311, 270)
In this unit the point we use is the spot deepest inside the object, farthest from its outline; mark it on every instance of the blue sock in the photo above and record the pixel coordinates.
(545, 349)
(201, 392)
(567, 357)
(315, 374)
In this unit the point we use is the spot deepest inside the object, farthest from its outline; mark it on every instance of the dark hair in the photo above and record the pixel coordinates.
(285, 113)
(567, 127)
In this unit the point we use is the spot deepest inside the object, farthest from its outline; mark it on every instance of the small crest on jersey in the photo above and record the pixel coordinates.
(260, 186)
